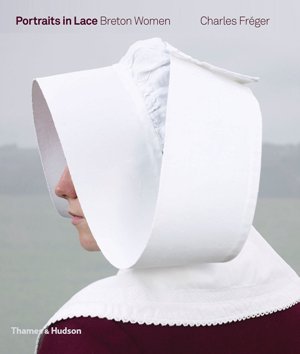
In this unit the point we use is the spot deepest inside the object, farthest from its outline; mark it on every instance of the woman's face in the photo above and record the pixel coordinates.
(65, 189)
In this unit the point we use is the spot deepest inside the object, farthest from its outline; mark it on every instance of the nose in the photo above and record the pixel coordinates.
(65, 188)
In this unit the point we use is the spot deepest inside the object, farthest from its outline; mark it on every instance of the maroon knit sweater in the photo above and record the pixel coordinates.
(276, 333)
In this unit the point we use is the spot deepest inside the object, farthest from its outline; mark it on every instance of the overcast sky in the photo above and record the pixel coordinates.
(271, 52)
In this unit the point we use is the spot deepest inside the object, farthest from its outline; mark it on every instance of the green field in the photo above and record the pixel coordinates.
(43, 265)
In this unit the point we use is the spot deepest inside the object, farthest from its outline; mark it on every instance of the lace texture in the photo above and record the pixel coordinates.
(148, 63)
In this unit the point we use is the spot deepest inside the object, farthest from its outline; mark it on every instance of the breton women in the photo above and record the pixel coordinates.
(157, 161)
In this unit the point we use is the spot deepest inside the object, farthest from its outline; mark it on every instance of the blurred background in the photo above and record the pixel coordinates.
(42, 263)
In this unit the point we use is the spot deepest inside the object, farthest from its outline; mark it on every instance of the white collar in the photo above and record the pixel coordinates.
(255, 283)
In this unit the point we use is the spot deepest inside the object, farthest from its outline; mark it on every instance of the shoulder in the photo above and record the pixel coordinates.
(261, 334)
(83, 335)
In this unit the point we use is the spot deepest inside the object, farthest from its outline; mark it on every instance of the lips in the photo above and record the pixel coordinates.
(76, 219)
(72, 214)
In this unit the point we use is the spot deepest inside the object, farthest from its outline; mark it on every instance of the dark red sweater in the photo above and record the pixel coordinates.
(271, 334)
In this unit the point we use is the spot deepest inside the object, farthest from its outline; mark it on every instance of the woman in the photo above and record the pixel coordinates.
(167, 174)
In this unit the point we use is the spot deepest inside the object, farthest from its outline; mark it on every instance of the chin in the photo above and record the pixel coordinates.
(88, 242)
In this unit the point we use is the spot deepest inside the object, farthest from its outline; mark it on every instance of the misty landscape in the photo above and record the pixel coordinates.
(43, 265)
